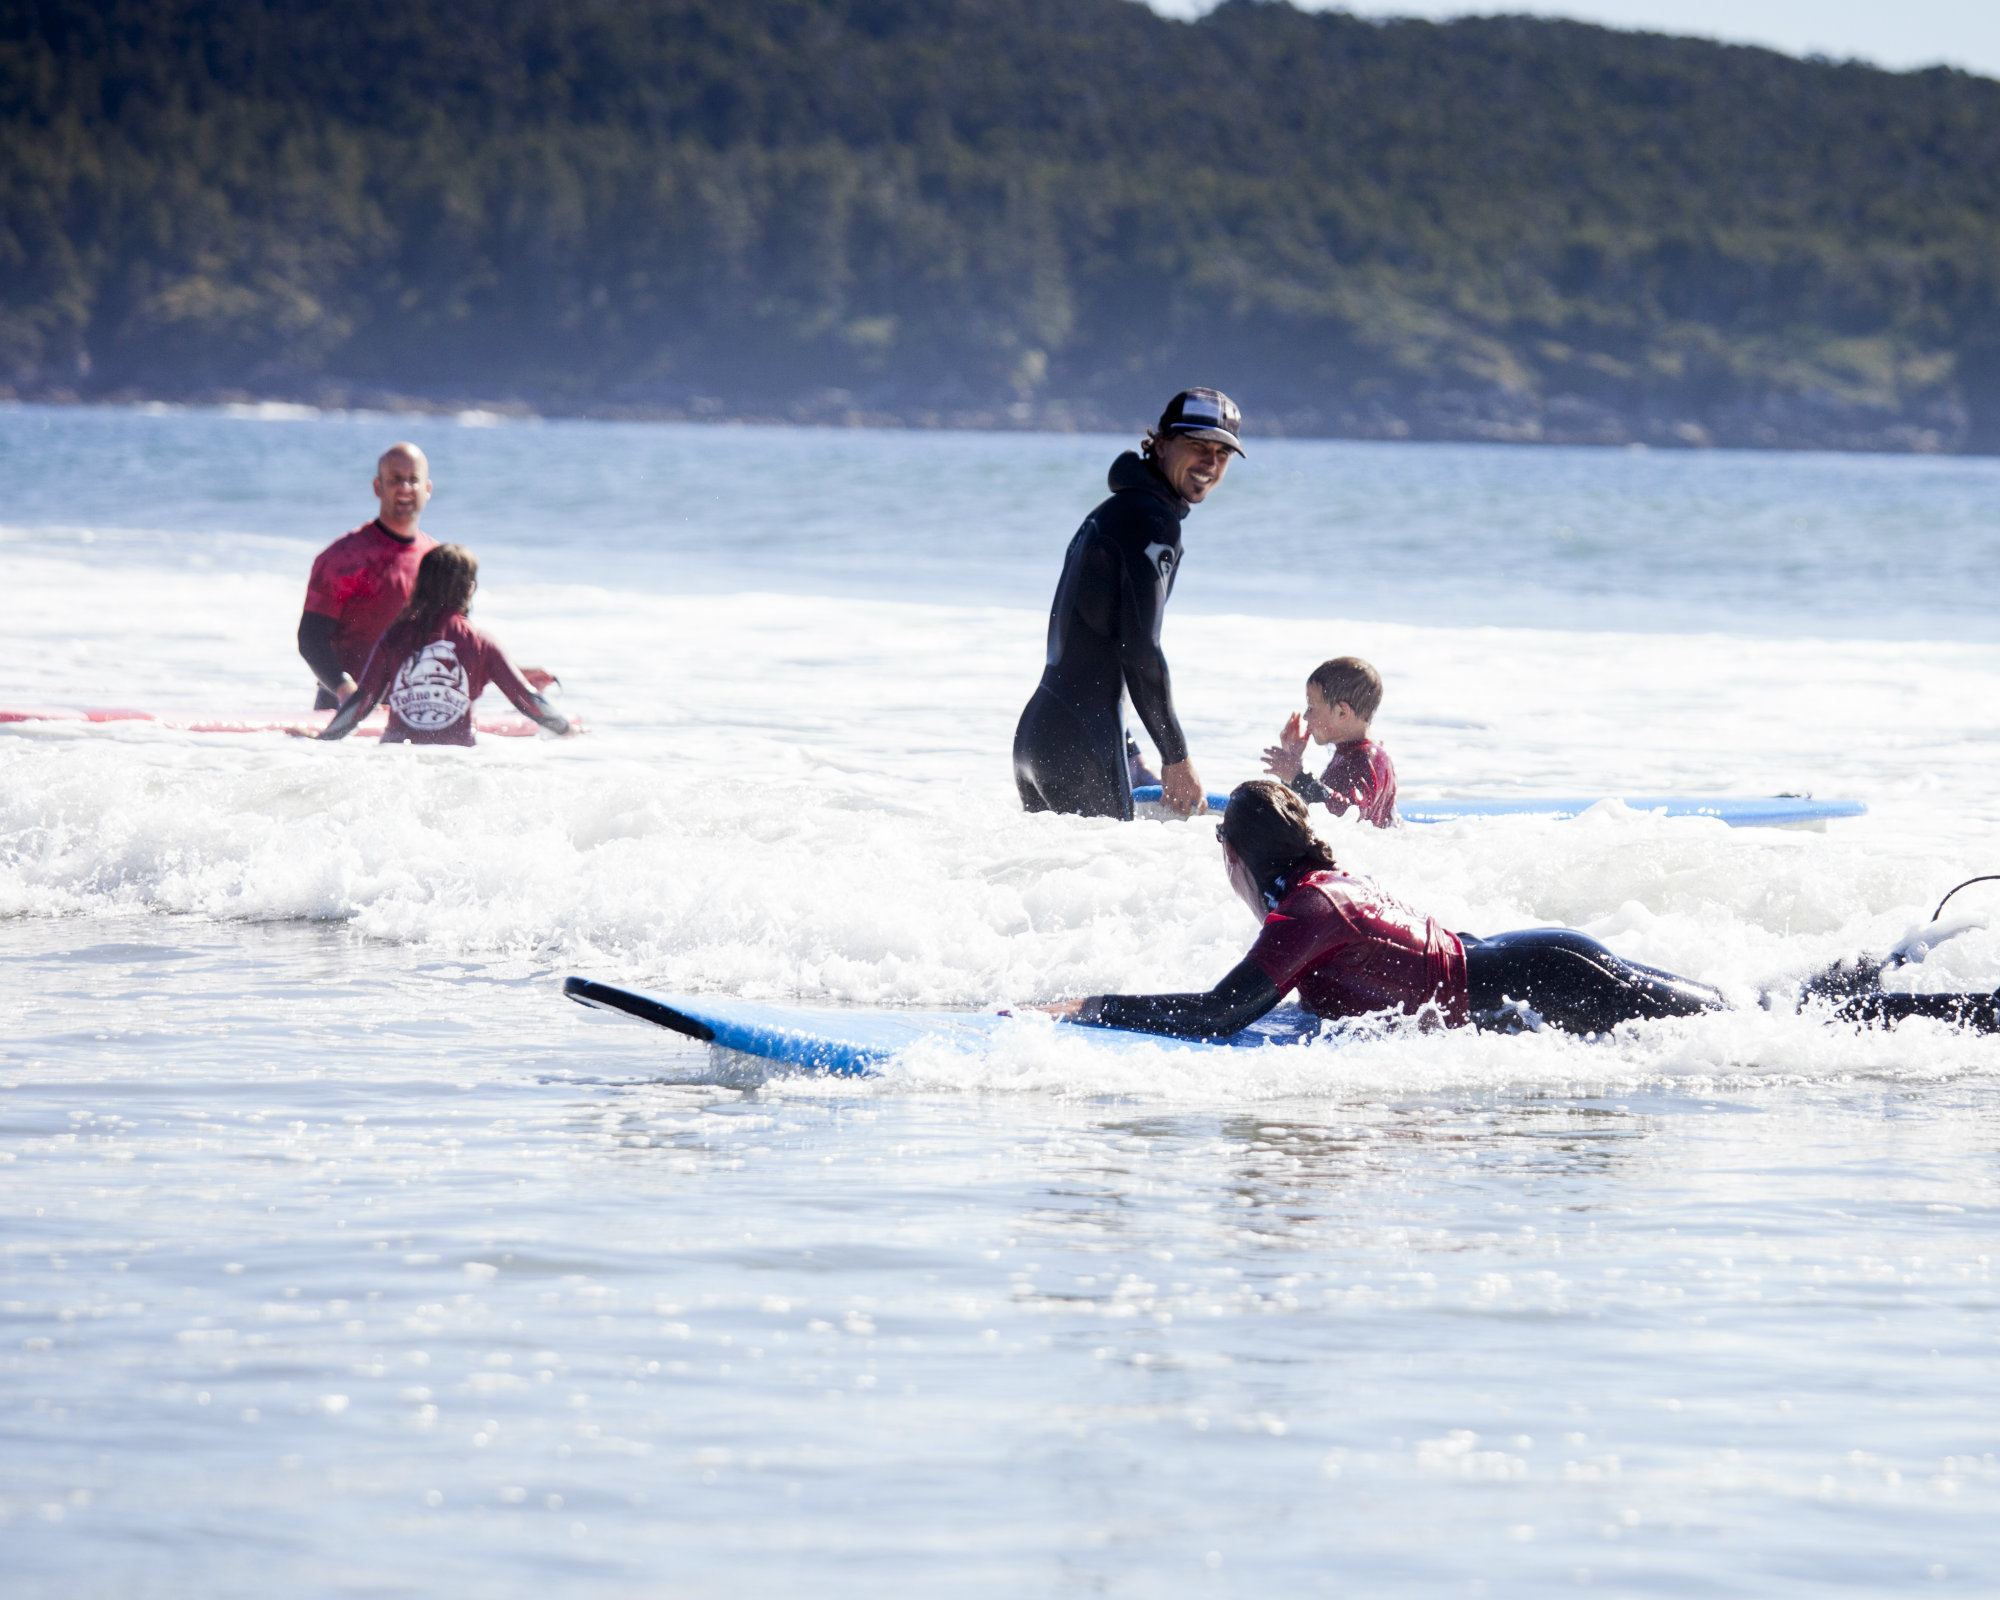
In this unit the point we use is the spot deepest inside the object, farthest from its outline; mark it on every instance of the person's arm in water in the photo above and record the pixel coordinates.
(1150, 684)
(316, 646)
(374, 683)
(1309, 789)
(1245, 994)
(513, 683)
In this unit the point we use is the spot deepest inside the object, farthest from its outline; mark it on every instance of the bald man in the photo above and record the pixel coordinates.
(363, 579)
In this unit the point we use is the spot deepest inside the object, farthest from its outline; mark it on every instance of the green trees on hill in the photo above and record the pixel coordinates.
(970, 209)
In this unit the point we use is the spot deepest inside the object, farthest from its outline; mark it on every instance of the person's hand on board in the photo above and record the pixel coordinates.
(1062, 1010)
(1180, 789)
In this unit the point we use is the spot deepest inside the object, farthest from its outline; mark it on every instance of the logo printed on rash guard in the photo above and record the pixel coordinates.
(1163, 557)
(429, 691)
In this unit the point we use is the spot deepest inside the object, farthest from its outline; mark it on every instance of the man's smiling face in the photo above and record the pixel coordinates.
(1193, 466)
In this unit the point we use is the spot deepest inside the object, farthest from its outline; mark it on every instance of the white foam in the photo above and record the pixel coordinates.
(275, 411)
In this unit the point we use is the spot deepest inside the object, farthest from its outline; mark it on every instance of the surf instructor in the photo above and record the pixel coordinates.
(363, 579)
(1104, 626)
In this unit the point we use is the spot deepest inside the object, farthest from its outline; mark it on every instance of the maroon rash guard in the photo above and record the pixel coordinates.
(1349, 949)
(1360, 777)
(429, 677)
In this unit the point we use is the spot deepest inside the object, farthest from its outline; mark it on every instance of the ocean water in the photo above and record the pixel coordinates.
(342, 1256)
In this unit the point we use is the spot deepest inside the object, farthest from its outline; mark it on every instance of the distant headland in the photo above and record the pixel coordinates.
(997, 213)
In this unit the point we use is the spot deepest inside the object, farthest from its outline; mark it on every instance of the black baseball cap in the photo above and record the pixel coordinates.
(1203, 414)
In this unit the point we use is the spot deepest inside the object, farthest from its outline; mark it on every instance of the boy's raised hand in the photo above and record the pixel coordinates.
(1286, 758)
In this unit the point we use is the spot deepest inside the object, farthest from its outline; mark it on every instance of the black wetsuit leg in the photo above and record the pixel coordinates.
(1062, 765)
(1572, 982)
(1979, 1012)
(1853, 988)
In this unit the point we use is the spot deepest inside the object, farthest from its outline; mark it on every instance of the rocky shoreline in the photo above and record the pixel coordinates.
(1810, 421)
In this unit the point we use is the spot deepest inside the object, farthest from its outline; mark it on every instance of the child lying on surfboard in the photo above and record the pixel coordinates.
(1350, 950)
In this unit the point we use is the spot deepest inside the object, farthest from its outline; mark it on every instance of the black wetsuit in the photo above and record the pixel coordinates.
(1350, 950)
(1571, 982)
(317, 646)
(1104, 638)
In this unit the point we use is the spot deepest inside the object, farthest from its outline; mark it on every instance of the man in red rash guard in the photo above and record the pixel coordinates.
(363, 579)
(1342, 697)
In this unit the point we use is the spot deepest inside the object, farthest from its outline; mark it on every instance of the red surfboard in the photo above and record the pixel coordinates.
(306, 722)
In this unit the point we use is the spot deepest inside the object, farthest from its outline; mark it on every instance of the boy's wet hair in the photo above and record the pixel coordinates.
(1351, 679)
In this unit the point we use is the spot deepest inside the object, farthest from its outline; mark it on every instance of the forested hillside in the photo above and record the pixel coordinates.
(991, 211)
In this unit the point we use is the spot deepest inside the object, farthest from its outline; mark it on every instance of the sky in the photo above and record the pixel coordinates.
(1898, 34)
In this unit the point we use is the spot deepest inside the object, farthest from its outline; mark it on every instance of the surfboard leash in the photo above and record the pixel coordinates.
(1987, 877)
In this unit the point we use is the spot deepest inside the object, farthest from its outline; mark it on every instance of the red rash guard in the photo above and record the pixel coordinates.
(428, 678)
(1360, 776)
(363, 580)
(1350, 949)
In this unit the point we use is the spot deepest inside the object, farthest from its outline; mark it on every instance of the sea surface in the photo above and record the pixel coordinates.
(341, 1256)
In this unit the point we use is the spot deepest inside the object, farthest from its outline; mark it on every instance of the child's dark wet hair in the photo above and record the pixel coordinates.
(446, 578)
(1269, 828)
(1351, 679)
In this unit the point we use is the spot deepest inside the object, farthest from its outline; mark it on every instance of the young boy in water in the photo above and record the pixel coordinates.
(1342, 697)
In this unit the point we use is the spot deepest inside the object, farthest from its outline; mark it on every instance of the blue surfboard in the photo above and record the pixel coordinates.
(1739, 811)
(854, 1043)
